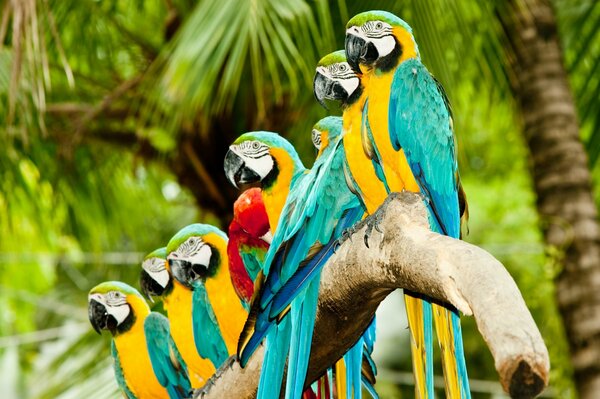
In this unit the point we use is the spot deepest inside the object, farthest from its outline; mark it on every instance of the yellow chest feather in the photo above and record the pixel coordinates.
(228, 308)
(360, 166)
(136, 364)
(179, 307)
(396, 168)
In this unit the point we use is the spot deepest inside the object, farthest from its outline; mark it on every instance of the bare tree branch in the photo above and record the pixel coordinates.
(408, 255)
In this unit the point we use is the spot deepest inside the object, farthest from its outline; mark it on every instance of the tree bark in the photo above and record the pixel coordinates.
(561, 177)
(409, 255)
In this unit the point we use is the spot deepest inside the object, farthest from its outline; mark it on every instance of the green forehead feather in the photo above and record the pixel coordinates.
(108, 286)
(377, 15)
(331, 124)
(193, 230)
(160, 253)
(333, 58)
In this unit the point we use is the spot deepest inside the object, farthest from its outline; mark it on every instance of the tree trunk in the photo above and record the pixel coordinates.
(561, 177)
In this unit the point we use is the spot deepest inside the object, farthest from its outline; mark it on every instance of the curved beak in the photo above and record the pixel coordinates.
(236, 170)
(98, 316)
(355, 46)
(325, 88)
(359, 51)
(149, 286)
(181, 270)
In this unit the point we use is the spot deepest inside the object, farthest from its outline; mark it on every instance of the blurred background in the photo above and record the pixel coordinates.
(115, 117)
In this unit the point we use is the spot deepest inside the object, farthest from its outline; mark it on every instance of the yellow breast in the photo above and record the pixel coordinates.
(360, 166)
(135, 360)
(179, 307)
(274, 197)
(228, 308)
(396, 168)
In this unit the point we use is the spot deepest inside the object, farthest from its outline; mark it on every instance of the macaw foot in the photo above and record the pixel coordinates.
(347, 235)
(374, 220)
(227, 364)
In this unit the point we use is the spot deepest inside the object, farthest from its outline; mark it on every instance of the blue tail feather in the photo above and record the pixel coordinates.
(277, 346)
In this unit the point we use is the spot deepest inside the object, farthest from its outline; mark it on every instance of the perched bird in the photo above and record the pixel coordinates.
(156, 280)
(366, 176)
(197, 257)
(249, 239)
(408, 134)
(318, 209)
(269, 158)
(146, 361)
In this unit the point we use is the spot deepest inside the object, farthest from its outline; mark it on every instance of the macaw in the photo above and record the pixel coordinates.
(356, 364)
(147, 363)
(249, 239)
(336, 81)
(318, 209)
(156, 280)
(270, 159)
(197, 258)
(407, 127)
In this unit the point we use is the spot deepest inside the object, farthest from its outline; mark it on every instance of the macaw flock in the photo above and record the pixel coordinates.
(225, 297)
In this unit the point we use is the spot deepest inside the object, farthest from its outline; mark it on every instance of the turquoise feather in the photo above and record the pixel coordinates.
(319, 207)
(168, 366)
(420, 123)
(207, 333)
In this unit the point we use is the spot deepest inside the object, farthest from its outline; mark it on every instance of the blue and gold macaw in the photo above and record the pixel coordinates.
(147, 363)
(407, 129)
(197, 257)
(318, 209)
(178, 301)
(365, 175)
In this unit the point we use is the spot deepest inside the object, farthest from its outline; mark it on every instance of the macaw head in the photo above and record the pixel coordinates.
(335, 80)
(258, 157)
(114, 306)
(155, 278)
(378, 39)
(194, 253)
(250, 214)
(326, 131)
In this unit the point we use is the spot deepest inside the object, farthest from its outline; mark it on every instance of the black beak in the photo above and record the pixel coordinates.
(236, 170)
(359, 51)
(149, 286)
(328, 89)
(187, 273)
(98, 316)
(181, 271)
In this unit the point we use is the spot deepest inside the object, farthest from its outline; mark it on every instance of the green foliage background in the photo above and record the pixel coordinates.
(77, 207)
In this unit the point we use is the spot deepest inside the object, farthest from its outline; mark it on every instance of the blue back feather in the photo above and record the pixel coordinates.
(207, 333)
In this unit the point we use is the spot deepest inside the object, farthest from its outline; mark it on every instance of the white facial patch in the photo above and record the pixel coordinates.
(115, 303)
(316, 138)
(342, 73)
(193, 250)
(155, 267)
(256, 156)
(384, 45)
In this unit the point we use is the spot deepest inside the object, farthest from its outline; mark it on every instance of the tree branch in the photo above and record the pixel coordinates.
(408, 255)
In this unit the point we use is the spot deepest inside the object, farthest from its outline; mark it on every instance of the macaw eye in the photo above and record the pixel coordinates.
(342, 67)
(255, 145)
(379, 25)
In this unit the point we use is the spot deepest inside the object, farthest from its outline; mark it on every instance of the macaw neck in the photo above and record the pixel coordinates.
(276, 190)
(134, 322)
(405, 49)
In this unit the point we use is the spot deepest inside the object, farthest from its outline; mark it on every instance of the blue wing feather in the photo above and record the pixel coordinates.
(420, 123)
(207, 333)
(168, 366)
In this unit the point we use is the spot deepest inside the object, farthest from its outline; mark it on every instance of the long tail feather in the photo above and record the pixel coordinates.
(303, 314)
(340, 379)
(277, 346)
(447, 324)
(419, 315)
